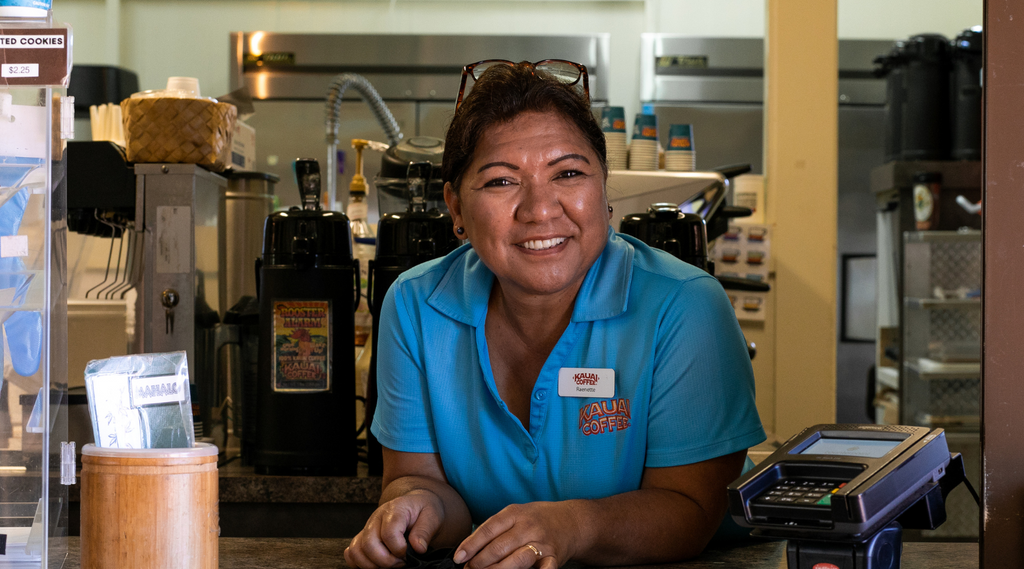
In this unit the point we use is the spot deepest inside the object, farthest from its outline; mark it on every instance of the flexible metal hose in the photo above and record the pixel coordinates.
(380, 110)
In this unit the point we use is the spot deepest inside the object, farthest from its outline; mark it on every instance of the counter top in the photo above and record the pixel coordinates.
(239, 484)
(306, 553)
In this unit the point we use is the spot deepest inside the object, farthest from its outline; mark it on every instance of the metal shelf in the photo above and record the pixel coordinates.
(957, 423)
(945, 371)
(956, 174)
(942, 303)
(960, 236)
(630, 183)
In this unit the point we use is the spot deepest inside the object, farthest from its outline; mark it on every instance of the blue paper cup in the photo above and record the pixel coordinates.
(613, 119)
(24, 8)
(680, 137)
(645, 127)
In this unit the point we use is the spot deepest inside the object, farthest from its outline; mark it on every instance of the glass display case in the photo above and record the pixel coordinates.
(35, 119)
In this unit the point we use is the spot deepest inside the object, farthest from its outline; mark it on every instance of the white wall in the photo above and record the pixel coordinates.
(898, 19)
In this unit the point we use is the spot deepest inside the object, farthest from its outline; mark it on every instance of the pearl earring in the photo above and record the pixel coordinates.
(460, 230)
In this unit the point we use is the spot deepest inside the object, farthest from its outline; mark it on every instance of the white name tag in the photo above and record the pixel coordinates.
(586, 382)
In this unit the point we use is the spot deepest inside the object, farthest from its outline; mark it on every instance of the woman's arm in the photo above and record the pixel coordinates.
(417, 500)
(672, 516)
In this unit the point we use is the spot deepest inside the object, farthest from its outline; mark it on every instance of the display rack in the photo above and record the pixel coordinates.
(940, 376)
(35, 119)
(927, 369)
(941, 345)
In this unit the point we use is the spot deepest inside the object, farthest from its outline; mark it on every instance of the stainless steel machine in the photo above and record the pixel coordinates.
(162, 219)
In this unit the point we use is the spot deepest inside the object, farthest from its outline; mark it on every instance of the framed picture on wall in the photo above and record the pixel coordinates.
(857, 318)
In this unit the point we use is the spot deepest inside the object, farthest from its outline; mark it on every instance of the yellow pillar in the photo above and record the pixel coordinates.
(801, 112)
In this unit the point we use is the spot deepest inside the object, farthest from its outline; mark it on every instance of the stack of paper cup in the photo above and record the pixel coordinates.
(680, 156)
(613, 124)
(643, 150)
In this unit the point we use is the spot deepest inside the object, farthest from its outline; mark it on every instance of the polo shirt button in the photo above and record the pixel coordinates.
(541, 394)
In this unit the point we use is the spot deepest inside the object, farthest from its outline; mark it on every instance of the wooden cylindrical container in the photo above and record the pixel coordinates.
(148, 508)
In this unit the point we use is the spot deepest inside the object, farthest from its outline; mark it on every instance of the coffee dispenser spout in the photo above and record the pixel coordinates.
(307, 174)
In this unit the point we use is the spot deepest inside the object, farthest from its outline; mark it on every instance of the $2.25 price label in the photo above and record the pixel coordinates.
(19, 70)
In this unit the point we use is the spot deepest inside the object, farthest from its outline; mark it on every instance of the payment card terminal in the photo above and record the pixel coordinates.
(846, 484)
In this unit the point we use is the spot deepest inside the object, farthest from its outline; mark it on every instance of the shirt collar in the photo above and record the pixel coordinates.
(465, 288)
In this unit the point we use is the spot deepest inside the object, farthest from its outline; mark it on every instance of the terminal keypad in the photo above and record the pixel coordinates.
(800, 492)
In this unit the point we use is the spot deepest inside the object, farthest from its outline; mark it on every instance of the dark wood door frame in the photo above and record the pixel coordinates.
(1002, 419)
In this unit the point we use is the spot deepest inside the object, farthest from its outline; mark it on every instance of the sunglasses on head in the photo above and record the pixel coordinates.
(567, 72)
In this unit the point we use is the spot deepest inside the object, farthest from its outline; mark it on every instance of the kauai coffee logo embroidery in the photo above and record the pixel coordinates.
(156, 390)
(605, 417)
(585, 378)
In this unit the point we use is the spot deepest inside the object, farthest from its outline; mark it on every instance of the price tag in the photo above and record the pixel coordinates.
(20, 70)
(34, 56)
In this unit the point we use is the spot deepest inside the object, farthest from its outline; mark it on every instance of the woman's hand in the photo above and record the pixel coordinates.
(538, 534)
(417, 501)
(382, 542)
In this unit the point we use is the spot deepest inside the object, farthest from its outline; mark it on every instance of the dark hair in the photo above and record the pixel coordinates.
(501, 94)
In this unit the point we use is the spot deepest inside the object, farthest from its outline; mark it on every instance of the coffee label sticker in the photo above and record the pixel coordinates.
(586, 382)
(302, 345)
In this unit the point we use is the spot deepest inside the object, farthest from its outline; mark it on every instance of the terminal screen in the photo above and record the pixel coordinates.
(851, 447)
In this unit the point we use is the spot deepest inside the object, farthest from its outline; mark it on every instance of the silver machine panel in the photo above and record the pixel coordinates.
(176, 210)
(731, 70)
(400, 67)
(418, 77)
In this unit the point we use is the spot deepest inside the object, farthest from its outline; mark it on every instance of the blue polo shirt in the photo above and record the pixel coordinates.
(684, 388)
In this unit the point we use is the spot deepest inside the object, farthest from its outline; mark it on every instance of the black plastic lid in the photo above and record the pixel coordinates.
(395, 162)
(968, 42)
(927, 47)
(889, 62)
(246, 311)
(305, 237)
(415, 236)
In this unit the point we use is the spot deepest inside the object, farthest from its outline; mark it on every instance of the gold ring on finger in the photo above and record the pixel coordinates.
(535, 550)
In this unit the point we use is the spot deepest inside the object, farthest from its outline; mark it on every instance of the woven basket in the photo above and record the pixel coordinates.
(179, 131)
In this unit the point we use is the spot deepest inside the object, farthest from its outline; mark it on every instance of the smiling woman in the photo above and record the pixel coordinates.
(533, 205)
(570, 391)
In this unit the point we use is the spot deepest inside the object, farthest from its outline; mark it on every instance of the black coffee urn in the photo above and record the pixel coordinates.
(308, 290)
(415, 228)
(664, 227)
(965, 95)
(933, 97)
